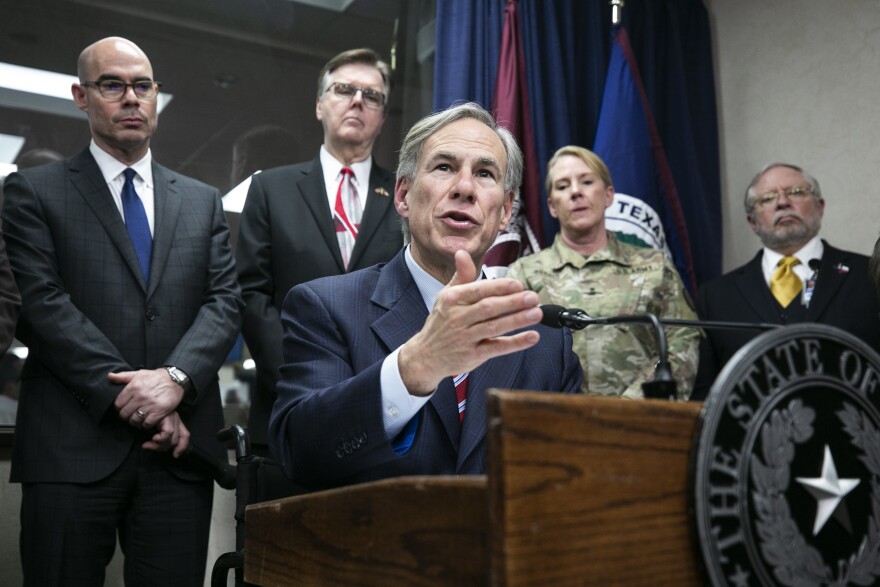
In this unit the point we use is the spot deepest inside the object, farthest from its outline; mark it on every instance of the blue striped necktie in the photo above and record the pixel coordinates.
(137, 224)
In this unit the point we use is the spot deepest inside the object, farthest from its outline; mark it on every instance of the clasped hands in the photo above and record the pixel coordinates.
(468, 326)
(149, 399)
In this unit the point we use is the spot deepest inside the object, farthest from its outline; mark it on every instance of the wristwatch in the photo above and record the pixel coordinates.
(183, 380)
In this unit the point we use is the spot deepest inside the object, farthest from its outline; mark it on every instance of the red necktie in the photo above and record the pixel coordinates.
(460, 382)
(346, 214)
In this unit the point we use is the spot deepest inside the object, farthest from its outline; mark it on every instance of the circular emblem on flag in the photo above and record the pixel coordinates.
(786, 467)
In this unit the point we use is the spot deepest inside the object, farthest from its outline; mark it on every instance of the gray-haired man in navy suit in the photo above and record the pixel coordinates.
(386, 369)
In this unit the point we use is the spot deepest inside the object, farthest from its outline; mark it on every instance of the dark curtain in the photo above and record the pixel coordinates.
(567, 46)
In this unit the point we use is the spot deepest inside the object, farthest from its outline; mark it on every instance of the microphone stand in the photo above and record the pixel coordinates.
(663, 385)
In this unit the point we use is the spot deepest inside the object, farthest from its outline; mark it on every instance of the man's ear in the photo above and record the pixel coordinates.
(508, 209)
(79, 97)
(401, 190)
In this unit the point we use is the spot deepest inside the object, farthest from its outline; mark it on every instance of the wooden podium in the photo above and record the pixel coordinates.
(580, 491)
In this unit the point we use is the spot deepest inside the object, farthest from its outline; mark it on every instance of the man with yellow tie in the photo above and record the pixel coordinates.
(796, 277)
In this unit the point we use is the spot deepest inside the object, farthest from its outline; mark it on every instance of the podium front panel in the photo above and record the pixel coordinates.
(590, 491)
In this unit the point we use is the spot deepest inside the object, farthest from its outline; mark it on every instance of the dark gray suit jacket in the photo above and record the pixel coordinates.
(844, 297)
(287, 237)
(87, 312)
(327, 426)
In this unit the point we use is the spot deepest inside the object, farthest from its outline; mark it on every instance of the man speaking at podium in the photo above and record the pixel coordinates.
(796, 277)
(387, 369)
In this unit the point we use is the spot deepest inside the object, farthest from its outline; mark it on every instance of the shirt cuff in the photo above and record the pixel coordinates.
(398, 405)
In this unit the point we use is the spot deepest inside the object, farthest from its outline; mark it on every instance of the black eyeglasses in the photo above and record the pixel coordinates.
(372, 98)
(114, 89)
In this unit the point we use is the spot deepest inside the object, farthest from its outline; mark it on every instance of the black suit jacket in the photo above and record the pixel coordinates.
(86, 312)
(844, 297)
(327, 427)
(287, 237)
(10, 301)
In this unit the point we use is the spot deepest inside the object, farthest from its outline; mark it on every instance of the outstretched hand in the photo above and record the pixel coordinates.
(468, 326)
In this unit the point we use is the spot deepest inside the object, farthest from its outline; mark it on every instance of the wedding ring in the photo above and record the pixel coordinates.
(140, 414)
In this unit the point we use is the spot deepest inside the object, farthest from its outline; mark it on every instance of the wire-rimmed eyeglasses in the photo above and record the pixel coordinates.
(796, 193)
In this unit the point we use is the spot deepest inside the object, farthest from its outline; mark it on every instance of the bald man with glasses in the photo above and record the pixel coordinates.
(329, 216)
(796, 277)
(130, 305)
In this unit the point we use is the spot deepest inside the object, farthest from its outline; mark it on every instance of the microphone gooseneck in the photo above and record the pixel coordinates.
(662, 386)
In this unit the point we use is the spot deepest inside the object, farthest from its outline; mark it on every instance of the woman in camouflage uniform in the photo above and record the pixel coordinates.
(588, 267)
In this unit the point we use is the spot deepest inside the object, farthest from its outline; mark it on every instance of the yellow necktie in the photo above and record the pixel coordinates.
(785, 285)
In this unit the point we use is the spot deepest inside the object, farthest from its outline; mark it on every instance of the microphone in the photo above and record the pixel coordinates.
(556, 317)
(663, 385)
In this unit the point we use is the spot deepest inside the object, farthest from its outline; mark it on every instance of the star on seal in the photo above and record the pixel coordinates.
(829, 492)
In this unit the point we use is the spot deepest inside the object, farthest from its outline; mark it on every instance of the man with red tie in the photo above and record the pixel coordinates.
(323, 217)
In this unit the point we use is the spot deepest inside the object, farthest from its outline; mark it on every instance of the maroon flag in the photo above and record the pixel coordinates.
(524, 233)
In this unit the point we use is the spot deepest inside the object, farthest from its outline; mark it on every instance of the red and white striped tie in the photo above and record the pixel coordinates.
(461, 385)
(347, 214)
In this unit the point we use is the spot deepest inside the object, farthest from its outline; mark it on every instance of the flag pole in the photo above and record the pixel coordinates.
(616, 11)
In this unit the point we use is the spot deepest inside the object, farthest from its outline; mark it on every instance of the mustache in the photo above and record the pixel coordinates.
(777, 218)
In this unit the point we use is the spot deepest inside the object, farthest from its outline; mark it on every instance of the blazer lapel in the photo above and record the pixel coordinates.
(754, 290)
(398, 293)
(314, 193)
(167, 209)
(833, 272)
(380, 198)
(89, 182)
(499, 372)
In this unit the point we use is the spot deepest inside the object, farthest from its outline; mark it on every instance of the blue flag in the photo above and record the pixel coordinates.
(646, 207)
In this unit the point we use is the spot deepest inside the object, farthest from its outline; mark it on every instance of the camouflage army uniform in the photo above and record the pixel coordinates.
(620, 279)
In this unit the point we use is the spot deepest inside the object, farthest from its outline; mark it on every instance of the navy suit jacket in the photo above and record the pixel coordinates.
(844, 297)
(86, 312)
(327, 428)
(287, 237)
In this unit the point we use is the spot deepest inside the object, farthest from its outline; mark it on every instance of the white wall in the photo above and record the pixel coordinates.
(799, 81)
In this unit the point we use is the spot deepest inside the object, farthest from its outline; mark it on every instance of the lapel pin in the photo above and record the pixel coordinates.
(381, 192)
(841, 269)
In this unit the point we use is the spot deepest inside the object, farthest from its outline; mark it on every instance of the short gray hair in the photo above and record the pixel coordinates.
(411, 149)
(812, 182)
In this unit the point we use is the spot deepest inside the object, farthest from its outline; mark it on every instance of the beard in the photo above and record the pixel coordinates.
(776, 238)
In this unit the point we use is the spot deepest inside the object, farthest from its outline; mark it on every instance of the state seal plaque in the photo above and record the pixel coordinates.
(786, 467)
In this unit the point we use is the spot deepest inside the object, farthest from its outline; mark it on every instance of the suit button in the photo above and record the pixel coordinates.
(151, 314)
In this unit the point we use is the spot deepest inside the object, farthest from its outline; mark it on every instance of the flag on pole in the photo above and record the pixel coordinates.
(524, 233)
(628, 141)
